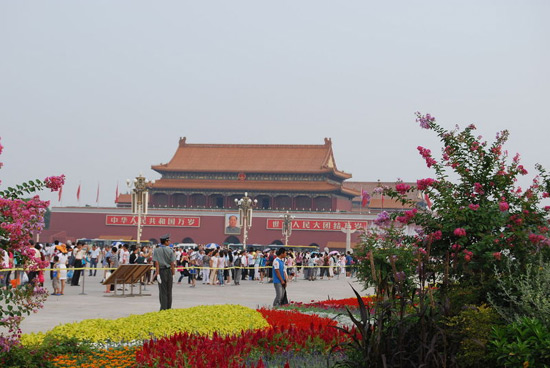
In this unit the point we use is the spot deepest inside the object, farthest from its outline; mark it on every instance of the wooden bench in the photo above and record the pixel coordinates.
(129, 274)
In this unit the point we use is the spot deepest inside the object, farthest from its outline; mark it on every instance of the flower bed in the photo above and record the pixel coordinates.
(112, 358)
(290, 331)
(205, 336)
(286, 319)
(331, 305)
(204, 320)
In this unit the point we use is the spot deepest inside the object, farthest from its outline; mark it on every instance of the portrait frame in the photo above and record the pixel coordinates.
(232, 230)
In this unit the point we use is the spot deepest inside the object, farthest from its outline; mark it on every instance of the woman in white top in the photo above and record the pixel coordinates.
(330, 267)
(63, 259)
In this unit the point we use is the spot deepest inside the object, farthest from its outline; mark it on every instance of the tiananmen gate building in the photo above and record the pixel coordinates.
(196, 193)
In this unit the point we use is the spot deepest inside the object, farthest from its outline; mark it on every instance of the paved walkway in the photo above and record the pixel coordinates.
(73, 306)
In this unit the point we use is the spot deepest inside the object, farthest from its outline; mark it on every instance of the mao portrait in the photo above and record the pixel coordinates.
(232, 224)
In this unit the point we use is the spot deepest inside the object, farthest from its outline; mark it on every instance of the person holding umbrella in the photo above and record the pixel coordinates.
(279, 277)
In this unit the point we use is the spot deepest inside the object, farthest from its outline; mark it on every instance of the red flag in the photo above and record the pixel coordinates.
(428, 202)
(97, 195)
(78, 193)
(60, 193)
(116, 195)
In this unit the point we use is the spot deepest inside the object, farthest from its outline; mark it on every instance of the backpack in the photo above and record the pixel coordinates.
(237, 262)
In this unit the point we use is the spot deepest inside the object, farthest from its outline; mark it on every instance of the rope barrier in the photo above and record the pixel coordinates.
(177, 268)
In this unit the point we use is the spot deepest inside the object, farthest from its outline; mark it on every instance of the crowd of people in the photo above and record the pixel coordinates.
(215, 266)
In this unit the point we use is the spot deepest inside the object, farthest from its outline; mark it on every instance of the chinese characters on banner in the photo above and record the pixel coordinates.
(320, 225)
(171, 221)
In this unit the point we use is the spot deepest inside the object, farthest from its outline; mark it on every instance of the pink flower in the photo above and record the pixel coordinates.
(478, 188)
(423, 184)
(545, 195)
(459, 231)
(408, 216)
(467, 255)
(497, 255)
(438, 235)
(424, 120)
(402, 188)
(473, 207)
(421, 250)
(54, 182)
(522, 170)
(427, 154)
(503, 206)
(535, 239)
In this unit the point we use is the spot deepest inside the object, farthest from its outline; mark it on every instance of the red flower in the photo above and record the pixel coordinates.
(473, 207)
(503, 206)
(54, 182)
(423, 184)
(402, 188)
(460, 231)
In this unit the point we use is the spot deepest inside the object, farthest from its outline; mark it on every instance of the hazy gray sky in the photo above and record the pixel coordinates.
(102, 90)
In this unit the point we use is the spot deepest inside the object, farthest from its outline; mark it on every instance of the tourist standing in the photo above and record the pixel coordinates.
(56, 280)
(213, 267)
(205, 267)
(237, 264)
(124, 255)
(349, 263)
(94, 256)
(62, 265)
(220, 267)
(279, 276)
(79, 255)
(165, 267)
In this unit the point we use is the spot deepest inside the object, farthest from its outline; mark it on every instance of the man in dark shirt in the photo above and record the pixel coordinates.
(165, 267)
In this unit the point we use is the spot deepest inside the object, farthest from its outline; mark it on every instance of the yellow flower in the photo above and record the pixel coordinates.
(205, 320)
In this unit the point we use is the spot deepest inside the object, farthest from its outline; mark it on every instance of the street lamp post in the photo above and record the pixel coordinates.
(287, 226)
(140, 199)
(245, 205)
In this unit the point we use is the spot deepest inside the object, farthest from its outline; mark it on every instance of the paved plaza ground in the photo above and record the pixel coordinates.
(73, 306)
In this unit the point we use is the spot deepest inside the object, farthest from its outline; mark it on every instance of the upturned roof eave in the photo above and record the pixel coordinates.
(164, 168)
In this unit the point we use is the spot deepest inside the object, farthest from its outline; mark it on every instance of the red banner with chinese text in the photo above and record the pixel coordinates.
(169, 221)
(317, 225)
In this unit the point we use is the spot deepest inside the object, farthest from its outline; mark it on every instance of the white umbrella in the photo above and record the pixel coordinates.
(334, 252)
(212, 246)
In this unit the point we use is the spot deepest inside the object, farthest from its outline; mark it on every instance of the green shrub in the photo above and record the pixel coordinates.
(523, 293)
(524, 343)
(472, 329)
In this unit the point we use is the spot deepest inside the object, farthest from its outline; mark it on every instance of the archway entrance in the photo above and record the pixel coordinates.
(232, 240)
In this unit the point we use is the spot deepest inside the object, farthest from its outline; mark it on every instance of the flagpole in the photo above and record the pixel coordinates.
(78, 193)
(361, 202)
(97, 196)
